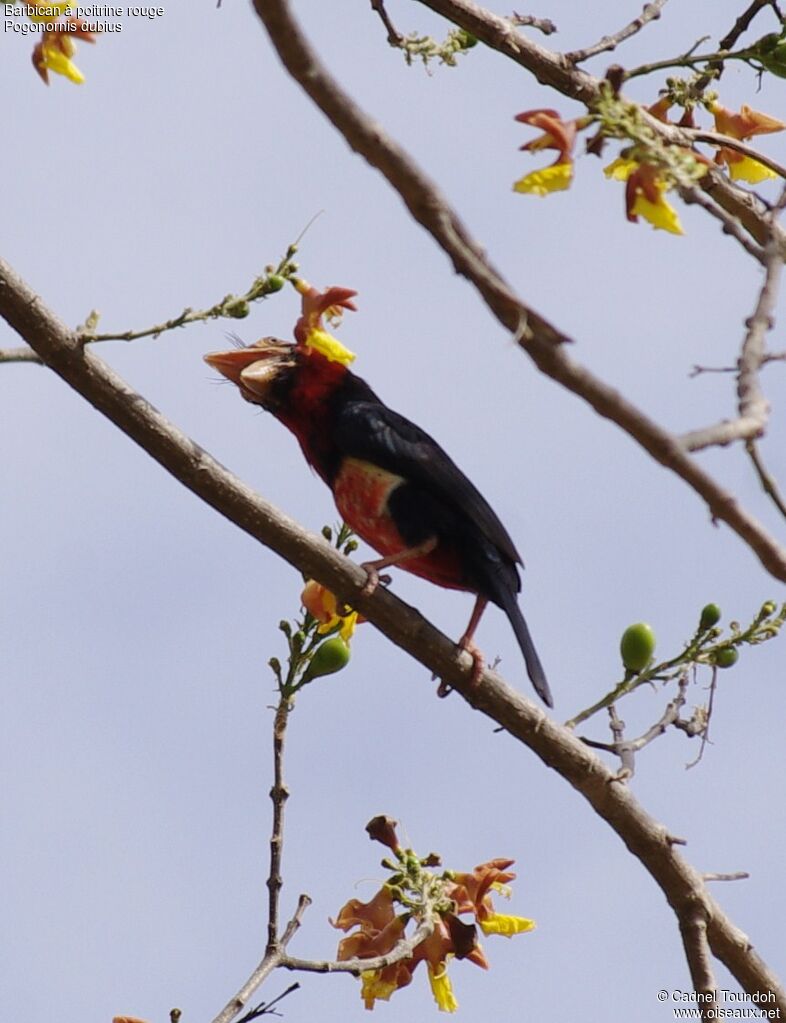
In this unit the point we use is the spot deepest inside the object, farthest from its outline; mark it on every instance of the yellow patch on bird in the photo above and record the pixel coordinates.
(329, 346)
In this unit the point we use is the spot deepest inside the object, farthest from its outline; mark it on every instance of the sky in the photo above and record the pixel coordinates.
(136, 623)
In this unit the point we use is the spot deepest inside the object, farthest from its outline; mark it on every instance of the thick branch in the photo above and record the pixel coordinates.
(538, 337)
(556, 746)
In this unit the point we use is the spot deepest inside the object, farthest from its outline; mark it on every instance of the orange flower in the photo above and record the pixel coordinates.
(558, 135)
(322, 605)
(309, 329)
(371, 916)
(470, 892)
(743, 125)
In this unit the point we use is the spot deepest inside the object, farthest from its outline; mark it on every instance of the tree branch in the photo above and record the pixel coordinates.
(650, 12)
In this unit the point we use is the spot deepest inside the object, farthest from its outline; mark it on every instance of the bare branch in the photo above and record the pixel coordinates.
(650, 12)
(691, 194)
(272, 959)
(744, 20)
(544, 25)
(693, 928)
(752, 406)
(403, 950)
(279, 795)
(20, 355)
(739, 875)
(395, 38)
(768, 483)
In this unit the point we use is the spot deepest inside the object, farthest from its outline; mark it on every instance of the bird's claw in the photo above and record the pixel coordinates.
(373, 580)
(478, 664)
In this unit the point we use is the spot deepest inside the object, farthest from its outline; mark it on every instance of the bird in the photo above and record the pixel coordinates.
(392, 483)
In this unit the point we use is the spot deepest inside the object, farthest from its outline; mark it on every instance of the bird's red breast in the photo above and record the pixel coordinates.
(361, 491)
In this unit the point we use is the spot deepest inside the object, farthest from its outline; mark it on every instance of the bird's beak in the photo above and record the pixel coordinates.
(254, 368)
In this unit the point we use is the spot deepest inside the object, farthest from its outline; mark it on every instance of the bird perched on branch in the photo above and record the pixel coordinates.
(392, 483)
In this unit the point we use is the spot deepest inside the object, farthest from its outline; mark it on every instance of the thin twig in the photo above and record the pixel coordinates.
(544, 25)
(768, 357)
(278, 795)
(650, 12)
(559, 749)
(744, 20)
(767, 481)
(706, 719)
(395, 38)
(271, 960)
(752, 407)
(739, 875)
(403, 950)
(732, 226)
(20, 355)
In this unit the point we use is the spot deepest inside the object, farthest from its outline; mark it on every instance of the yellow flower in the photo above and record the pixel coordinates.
(373, 987)
(309, 330)
(620, 169)
(47, 57)
(745, 168)
(660, 213)
(322, 605)
(645, 188)
(555, 178)
(507, 926)
(441, 988)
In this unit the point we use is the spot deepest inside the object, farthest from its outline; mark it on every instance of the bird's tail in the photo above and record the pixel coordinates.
(537, 675)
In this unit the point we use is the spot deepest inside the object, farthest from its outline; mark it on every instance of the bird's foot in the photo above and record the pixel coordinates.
(478, 660)
(373, 579)
(478, 664)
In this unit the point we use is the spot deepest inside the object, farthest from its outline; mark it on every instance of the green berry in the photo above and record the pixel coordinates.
(768, 609)
(466, 39)
(727, 656)
(330, 657)
(275, 282)
(238, 308)
(637, 646)
(710, 615)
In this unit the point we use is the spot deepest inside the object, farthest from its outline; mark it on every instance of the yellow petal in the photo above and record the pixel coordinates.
(750, 170)
(372, 988)
(620, 169)
(507, 926)
(348, 624)
(660, 214)
(329, 346)
(441, 989)
(555, 178)
(61, 65)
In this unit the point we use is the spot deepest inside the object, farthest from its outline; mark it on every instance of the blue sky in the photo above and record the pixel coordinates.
(135, 623)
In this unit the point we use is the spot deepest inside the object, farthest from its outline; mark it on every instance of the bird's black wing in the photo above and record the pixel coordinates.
(369, 430)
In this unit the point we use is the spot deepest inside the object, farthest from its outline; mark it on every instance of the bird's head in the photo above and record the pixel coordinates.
(266, 370)
(260, 370)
